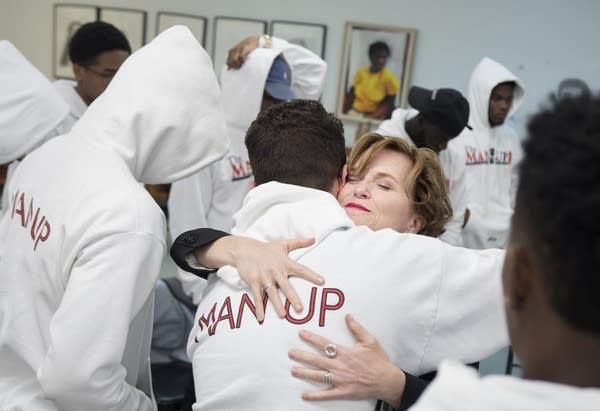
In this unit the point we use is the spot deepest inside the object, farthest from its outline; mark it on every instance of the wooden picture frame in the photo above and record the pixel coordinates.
(309, 35)
(228, 31)
(67, 19)
(131, 22)
(196, 24)
(358, 39)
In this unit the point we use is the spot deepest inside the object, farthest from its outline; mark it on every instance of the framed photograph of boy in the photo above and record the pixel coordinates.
(376, 68)
(309, 35)
(196, 24)
(131, 22)
(67, 19)
(228, 32)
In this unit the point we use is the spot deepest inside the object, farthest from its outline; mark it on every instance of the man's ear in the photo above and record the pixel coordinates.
(517, 276)
(77, 71)
(343, 174)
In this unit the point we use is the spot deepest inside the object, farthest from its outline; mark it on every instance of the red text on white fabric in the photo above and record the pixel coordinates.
(30, 218)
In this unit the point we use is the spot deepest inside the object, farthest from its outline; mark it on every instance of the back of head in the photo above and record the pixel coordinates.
(297, 142)
(556, 214)
(425, 184)
(161, 113)
(444, 108)
(30, 107)
(94, 38)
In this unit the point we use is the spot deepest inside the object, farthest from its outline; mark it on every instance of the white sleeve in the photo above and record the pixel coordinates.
(514, 174)
(470, 321)
(454, 171)
(308, 69)
(110, 282)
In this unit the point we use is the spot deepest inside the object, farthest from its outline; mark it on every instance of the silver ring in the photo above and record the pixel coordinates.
(327, 377)
(330, 350)
(268, 285)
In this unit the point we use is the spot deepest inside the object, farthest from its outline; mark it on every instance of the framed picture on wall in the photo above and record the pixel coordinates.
(67, 19)
(196, 24)
(228, 32)
(131, 22)
(375, 74)
(309, 35)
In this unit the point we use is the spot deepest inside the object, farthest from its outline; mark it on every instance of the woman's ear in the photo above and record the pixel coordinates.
(416, 224)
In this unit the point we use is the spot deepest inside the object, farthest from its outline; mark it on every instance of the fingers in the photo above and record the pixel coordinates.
(273, 293)
(309, 358)
(314, 339)
(331, 393)
(258, 303)
(357, 330)
(296, 243)
(289, 291)
(299, 270)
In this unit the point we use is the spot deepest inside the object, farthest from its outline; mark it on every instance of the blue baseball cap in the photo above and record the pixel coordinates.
(279, 80)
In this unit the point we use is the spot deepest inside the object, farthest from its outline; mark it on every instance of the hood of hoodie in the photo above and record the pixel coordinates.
(30, 107)
(487, 75)
(161, 103)
(457, 387)
(243, 88)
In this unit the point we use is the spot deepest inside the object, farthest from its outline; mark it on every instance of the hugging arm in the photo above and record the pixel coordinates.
(260, 264)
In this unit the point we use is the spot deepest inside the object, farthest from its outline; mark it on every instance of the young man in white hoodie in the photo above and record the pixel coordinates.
(83, 241)
(294, 146)
(96, 51)
(482, 164)
(261, 71)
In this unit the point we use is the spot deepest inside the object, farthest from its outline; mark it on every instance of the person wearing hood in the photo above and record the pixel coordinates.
(482, 164)
(550, 293)
(261, 71)
(84, 241)
(288, 203)
(31, 111)
(96, 51)
(436, 117)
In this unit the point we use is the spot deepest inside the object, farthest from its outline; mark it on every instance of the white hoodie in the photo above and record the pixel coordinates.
(211, 197)
(459, 388)
(483, 163)
(394, 126)
(414, 293)
(30, 110)
(66, 89)
(85, 241)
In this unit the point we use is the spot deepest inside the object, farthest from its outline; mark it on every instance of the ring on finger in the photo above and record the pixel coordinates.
(327, 377)
(271, 284)
(330, 350)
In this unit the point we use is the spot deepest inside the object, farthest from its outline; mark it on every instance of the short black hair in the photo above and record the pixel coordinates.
(94, 38)
(297, 142)
(558, 201)
(379, 46)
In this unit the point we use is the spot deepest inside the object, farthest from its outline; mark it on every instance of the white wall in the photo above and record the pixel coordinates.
(542, 41)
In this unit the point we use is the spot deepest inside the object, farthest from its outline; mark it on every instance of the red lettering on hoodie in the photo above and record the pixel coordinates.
(40, 228)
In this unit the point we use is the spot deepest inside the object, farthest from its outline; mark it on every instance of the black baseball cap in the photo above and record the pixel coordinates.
(445, 108)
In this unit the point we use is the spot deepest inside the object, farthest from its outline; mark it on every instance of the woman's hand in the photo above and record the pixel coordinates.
(358, 372)
(265, 267)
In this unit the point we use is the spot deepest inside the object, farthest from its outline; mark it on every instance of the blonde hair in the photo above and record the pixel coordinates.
(425, 183)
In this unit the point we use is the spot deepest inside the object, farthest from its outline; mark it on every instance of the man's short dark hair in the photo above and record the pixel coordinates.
(94, 38)
(379, 46)
(297, 142)
(558, 202)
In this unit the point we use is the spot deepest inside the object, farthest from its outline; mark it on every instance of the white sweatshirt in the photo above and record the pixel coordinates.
(31, 110)
(483, 163)
(84, 240)
(423, 299)
(459, 388)
(66, 89)
(211, 197)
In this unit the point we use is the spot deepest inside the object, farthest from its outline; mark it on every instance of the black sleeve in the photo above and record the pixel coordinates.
(413, 388)
(189, 241)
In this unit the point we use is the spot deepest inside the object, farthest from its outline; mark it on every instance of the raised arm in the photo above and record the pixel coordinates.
(263, 266)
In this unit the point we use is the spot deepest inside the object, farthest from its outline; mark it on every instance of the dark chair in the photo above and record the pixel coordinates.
(171, 384)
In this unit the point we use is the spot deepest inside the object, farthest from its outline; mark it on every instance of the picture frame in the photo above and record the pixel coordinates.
(228, 31)
(309, 35)
(358, 103)
(131, 22)
(196, 24)
(67, 19)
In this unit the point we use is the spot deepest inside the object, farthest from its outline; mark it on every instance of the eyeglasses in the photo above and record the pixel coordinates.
(109, 75)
